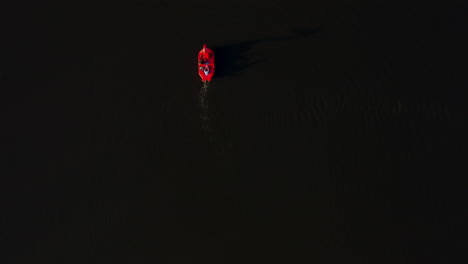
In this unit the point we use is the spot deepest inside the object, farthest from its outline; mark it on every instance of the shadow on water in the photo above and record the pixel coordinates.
(232, 59)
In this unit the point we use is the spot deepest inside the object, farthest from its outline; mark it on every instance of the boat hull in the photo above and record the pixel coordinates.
(206, 64)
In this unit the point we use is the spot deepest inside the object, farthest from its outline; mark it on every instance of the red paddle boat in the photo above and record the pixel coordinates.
(206, 64)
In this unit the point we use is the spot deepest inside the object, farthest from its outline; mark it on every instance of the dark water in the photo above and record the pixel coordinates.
(333, 132)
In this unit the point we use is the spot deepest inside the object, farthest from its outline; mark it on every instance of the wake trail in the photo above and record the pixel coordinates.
(204, 114)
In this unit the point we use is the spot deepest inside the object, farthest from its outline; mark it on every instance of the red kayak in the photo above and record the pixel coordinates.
(206, 64)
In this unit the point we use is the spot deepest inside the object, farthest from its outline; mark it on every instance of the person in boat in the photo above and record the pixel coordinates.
(206, 69)
(203, 61)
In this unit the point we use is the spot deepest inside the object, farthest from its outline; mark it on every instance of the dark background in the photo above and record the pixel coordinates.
(333, 132)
